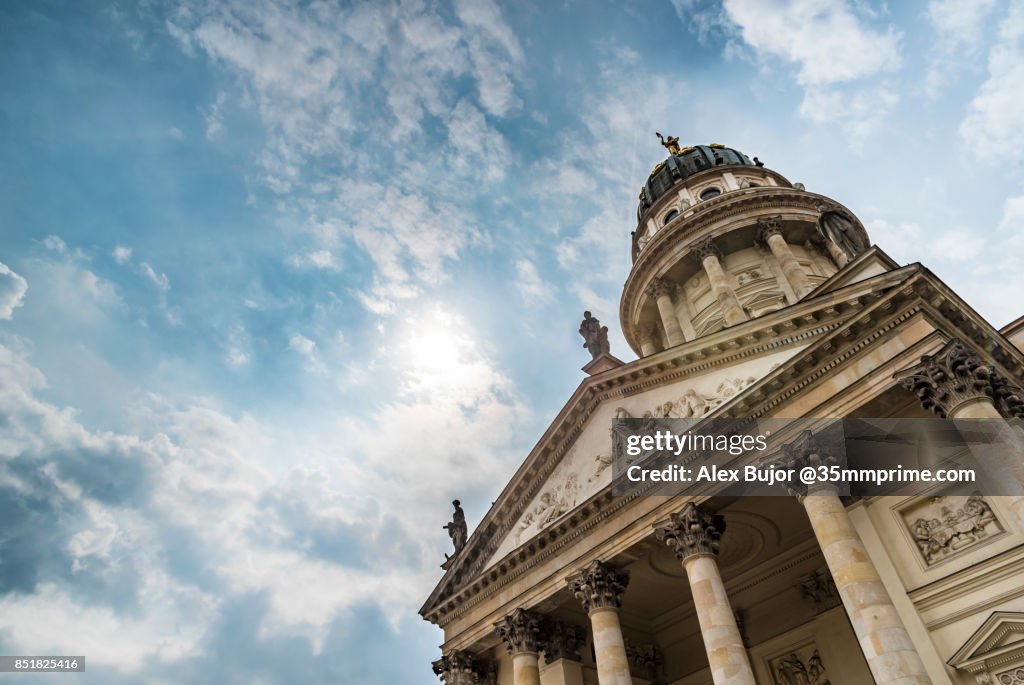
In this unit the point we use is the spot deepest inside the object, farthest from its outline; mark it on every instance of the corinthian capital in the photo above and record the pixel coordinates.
(707, 248)
(769, 226)
(520, 631)
(459, 668)
(599, 586)
(951, 377)
(660, 287)
(561, 640)
(691, 532)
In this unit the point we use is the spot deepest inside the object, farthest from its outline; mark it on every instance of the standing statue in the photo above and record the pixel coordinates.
(595, 336)
(836, 225)
(457, 529)
(671, 143)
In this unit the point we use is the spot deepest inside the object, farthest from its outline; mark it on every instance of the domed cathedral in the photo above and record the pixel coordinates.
(750, 297)
(722, 239)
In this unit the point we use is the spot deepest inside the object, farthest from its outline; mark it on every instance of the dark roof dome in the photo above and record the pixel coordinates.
(685, 162)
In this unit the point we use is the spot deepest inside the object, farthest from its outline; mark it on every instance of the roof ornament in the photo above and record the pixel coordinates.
(457, 529)
(671, 143)
(595, 336)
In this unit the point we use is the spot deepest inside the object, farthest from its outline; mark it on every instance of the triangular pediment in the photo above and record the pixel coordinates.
(742, 370)
(1001, 634)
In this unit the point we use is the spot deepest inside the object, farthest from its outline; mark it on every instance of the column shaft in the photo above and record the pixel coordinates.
(790, 266)
(694, 536)
(732, 311)
(668, 319)
(887, 646)
(726, 655)
(609, 648)
(525, 669)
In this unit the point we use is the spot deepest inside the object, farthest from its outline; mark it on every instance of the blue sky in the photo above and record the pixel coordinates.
(280, 280)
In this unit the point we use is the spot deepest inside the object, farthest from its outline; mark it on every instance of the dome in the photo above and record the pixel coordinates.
(685, 163)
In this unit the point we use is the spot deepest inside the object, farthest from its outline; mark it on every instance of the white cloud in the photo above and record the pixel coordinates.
(160, 280)
(1012, 222)
(121, 254)
(994, 126)
(531, 286)
(12, 291)
(832, 45)
(860, 112)
(237, 347)
(824, 39)
(55, 243)
(302, 345)
(315, 259)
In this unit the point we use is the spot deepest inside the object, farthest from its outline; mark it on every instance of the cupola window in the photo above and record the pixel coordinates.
(671, 215)
(710, 193)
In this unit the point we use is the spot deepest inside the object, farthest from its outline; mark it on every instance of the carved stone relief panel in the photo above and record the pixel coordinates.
(945, 527)
(802, 666)
(1014, 676)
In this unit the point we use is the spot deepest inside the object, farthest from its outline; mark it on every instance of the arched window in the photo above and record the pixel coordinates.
(710, 193)
(671, 215)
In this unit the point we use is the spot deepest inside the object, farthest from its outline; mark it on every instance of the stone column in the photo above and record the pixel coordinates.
(647, 338)
(770, 231)
(661, 290)
(520, 632)
(710, 256)
(694, 536)
(956, 383)
(459, 668)
(599, 587)
(884, 640)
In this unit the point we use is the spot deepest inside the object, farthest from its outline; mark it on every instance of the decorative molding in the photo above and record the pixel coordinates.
(692, 532)
(599, 586)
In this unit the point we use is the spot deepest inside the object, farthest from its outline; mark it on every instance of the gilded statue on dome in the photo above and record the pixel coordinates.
(671, 143)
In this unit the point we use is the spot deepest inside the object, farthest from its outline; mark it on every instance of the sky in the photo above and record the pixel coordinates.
(279, 280)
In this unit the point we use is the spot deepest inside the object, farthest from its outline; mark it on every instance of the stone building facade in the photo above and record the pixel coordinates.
(750, 296)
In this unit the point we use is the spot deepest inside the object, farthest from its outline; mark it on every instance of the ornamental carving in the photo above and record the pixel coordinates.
(749, 276)
(707, 248)
(943, 527)
(694, 405)
(692, 532)
(808, 450)
(660, 287)
(599, 586)
(520, 631)
(954, 375)
(768, 227)
(800, 667)
(461, 668)
(1012, 677)
(561, 640)
(818, 589)
(644, 660)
